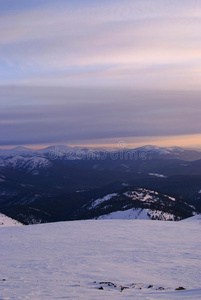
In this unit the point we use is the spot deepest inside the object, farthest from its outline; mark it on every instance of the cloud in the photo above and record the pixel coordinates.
(43, 43)
(105, 114)
(80, 70)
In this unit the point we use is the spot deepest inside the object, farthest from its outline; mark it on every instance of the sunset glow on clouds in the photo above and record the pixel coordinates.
(84, 71)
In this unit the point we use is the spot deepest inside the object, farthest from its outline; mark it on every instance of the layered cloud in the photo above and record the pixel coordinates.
(120, 42)
(71, 115)
(108, 68)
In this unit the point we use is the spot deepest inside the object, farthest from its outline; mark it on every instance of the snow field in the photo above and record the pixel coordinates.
(73, 260)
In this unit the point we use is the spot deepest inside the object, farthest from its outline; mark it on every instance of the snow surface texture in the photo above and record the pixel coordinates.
(194, 218)
(7, 222)
(138, 213)
(110, 259)
(128, 214)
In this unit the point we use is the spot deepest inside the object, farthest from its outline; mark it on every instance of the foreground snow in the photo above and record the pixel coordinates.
(196, 218)
(138, 213)
(107, 259)
(8, 222)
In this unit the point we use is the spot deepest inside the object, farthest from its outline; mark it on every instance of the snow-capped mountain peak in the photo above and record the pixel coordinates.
(30, 164)
(161, 150)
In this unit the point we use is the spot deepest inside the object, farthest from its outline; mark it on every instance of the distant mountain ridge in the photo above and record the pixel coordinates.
(30, 164)
(54, 183)
(79, 152)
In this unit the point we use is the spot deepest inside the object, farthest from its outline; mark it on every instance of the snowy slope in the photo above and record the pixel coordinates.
(102, 200)
(136, 203)
(8, 222)
(138, 213)
(196, 218)
(30, 164)
(129, 214)
(110, 259)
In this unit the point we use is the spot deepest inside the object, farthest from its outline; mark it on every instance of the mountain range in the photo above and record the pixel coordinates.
(59, 182)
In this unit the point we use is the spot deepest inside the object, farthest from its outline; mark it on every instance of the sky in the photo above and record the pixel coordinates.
(99, 72)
